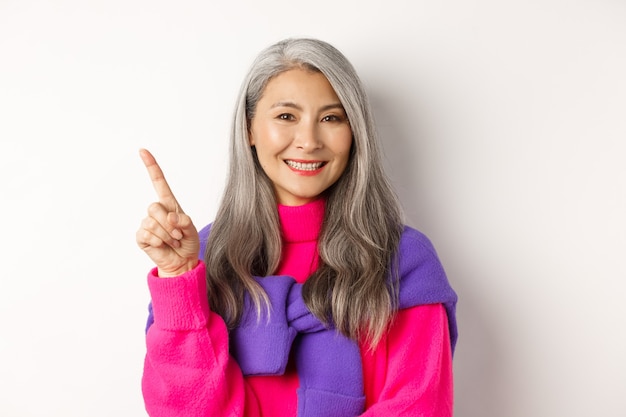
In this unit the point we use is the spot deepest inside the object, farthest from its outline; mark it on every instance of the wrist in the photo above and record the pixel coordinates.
(166, 273)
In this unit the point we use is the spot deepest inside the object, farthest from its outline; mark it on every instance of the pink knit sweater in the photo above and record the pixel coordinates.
(188, 371)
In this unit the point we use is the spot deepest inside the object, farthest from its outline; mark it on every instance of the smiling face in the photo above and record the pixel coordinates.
(301, 134)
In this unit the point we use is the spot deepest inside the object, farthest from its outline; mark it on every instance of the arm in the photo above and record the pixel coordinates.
(417, 378)
(188, 370)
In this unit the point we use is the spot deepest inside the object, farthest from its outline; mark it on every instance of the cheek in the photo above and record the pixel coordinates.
(346, 147)
(343, 156)
(270, 138)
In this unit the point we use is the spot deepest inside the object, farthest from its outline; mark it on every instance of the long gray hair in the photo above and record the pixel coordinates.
(354, 287)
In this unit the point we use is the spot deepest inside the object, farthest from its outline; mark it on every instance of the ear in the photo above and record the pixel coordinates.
(249, 130)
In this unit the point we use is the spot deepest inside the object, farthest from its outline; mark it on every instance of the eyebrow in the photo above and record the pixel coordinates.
(298, 107)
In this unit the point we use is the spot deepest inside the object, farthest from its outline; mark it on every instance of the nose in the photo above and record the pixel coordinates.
(307, 136)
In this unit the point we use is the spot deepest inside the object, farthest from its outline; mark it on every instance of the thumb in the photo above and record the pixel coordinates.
(182, 224)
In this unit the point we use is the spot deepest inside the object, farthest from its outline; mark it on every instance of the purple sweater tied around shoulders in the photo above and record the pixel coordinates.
(328, 363)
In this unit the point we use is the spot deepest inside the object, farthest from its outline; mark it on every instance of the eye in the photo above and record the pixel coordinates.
(332, 118)
(286, 116)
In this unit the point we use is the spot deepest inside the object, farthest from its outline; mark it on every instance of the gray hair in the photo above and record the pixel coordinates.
(362, 224)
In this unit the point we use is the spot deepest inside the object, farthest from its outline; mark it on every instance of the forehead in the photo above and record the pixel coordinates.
(299, 84)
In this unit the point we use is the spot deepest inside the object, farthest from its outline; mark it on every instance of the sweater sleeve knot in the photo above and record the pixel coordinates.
(328, 363)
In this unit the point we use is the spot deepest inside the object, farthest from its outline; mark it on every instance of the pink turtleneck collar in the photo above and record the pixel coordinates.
(301, 227)
(302, 223)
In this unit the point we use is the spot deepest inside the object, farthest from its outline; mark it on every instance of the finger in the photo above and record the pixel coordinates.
(145, 239)
(152, 233)
(161, 186)
(166, 219)
(189, 241)
(182, 223)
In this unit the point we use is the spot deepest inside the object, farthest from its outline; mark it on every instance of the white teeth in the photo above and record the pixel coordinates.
(304, 166)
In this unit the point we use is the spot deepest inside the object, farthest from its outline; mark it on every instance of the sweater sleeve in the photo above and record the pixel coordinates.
(418, 379)
(188, 370)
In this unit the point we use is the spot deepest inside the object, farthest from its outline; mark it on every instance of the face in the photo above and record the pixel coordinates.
(301, 134)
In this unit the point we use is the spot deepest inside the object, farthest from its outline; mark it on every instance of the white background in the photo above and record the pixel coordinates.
(504, 126)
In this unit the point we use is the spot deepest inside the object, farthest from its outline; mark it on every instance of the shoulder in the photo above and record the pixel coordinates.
(415, 247)
(423, 280)
(204, 232)
(422, 277)
(413, 237)
(204, 238)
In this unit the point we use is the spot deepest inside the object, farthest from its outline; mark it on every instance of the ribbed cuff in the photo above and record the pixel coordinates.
(180, 303)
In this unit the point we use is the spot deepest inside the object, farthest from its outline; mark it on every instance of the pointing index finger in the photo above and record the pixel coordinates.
(162, 188)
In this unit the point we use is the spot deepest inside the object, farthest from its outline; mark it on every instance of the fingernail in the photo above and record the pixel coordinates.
(176, 234)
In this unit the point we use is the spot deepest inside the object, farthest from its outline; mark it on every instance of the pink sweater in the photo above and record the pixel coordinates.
(189, 372)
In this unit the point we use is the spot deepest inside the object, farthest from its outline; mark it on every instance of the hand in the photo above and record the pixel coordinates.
(167, 234)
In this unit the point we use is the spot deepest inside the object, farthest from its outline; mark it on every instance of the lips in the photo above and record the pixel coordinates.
(305, 165)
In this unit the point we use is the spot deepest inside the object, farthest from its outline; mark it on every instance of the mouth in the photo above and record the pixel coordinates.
(305, 165)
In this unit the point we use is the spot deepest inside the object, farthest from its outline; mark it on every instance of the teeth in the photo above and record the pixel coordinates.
(302, 166)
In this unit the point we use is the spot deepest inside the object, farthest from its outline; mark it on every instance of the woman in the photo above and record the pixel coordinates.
(309, 296)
